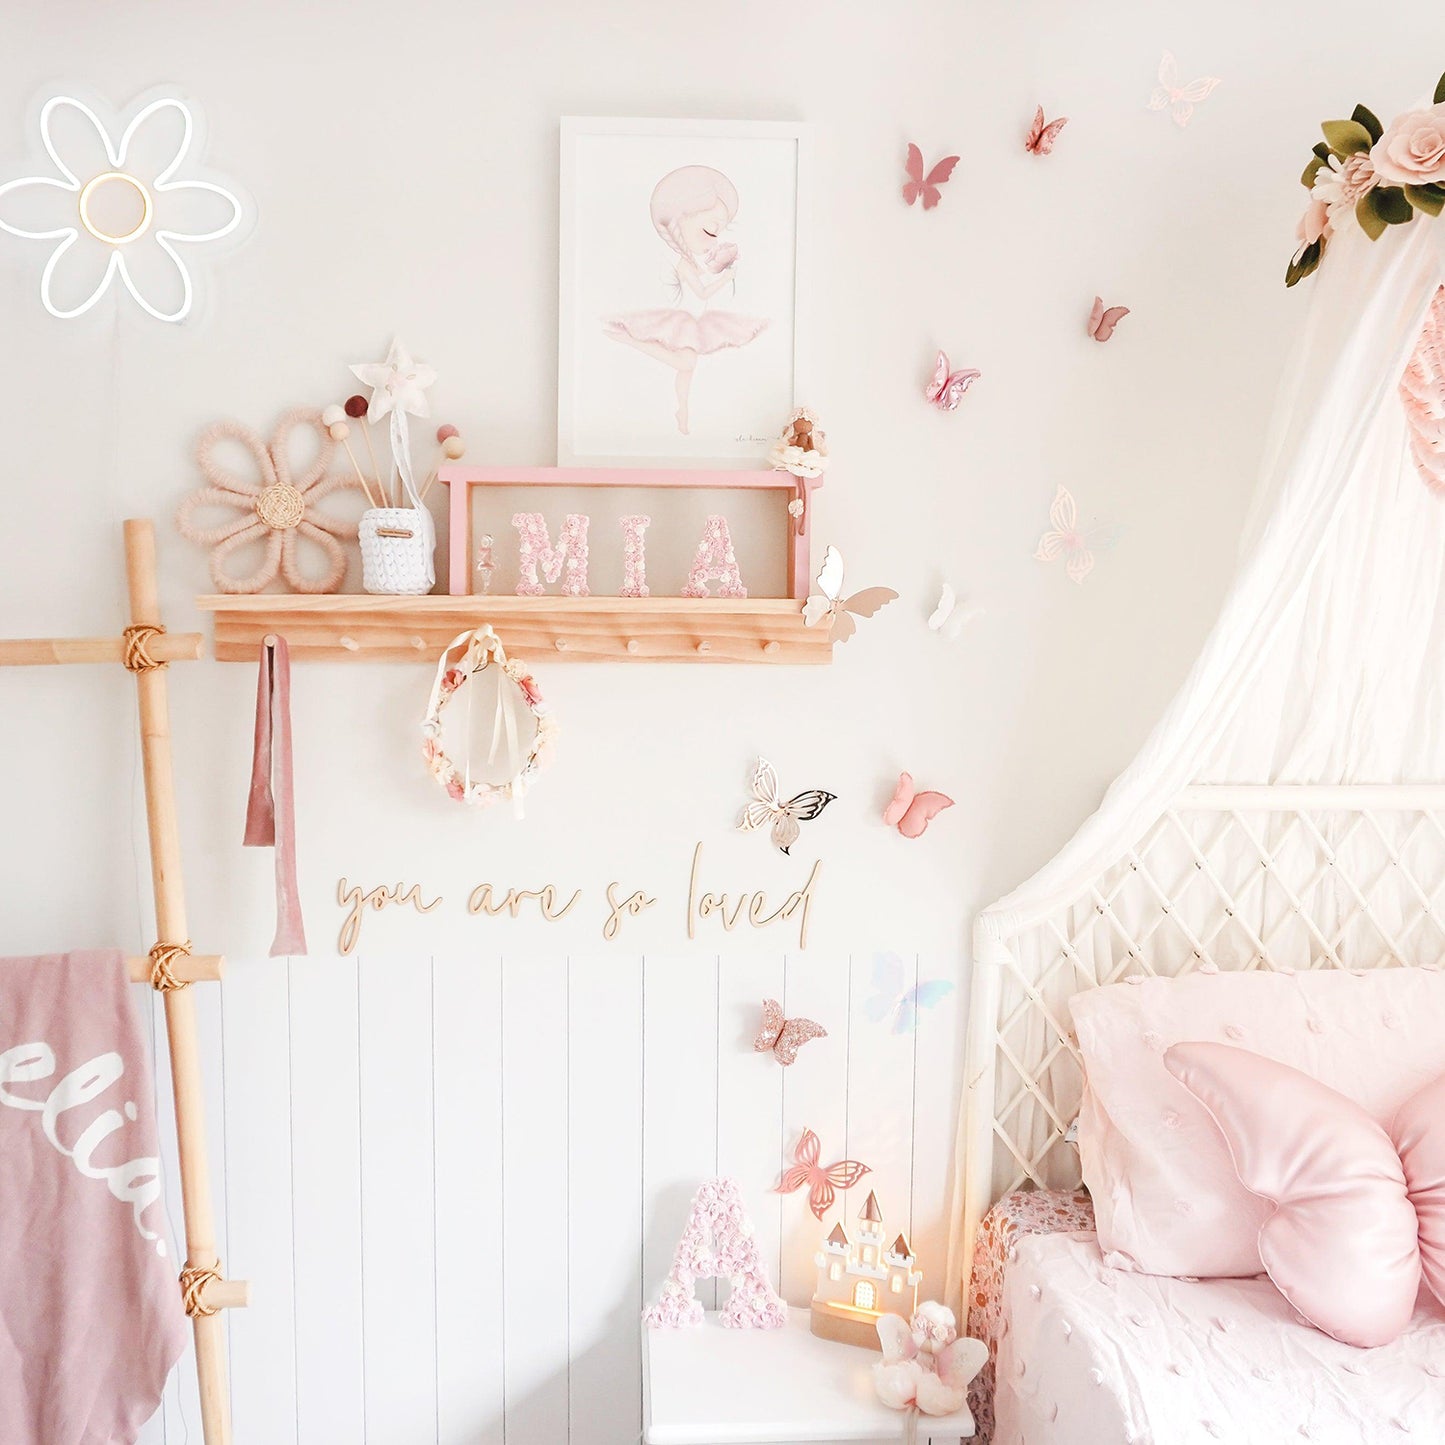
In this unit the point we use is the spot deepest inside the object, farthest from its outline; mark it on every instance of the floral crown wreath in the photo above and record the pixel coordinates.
(1379, 177)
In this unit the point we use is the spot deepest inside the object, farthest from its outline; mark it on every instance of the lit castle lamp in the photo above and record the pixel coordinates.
(859, 1280)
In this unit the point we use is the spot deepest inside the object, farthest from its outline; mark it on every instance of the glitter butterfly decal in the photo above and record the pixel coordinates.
(911, 811)
(951, 615)
(946, 389)
(829, 601)
(1064, 539)
(1103, 320)
(897, 1003)
(1041, 137)
(782, 1036)
(1179, 100)
(768, 807)
(927, 186)
(823, 1184)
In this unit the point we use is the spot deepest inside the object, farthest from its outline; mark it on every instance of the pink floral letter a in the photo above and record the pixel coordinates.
(718, 1243)
(715, 562)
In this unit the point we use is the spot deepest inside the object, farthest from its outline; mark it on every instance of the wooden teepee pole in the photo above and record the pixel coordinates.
(204, 1290)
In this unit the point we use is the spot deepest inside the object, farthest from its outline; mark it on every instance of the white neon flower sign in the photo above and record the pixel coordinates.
(141, 251)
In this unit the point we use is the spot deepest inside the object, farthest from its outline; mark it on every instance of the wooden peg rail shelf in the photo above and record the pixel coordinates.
(558, 629)
(145, 649)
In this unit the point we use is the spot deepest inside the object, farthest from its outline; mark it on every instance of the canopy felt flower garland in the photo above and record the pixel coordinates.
(479, 650)
(1380, 177)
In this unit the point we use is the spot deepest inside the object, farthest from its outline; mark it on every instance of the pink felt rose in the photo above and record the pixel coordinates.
(1412, 151)
(1315, 223)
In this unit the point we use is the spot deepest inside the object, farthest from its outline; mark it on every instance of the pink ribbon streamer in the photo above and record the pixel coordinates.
(271, 807)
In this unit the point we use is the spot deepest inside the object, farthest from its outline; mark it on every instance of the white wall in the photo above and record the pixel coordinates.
(389, 1132)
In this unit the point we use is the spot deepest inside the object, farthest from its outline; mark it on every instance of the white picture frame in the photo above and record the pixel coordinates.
(669, 354)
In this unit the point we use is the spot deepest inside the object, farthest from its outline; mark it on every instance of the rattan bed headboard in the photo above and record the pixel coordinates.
(1231, 877)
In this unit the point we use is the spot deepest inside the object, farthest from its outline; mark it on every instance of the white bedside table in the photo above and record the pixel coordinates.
(713, 1386)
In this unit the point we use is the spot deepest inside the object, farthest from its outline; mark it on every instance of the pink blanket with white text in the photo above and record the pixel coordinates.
(90, 1310)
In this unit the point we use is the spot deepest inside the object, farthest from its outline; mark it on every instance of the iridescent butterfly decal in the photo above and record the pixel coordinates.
(911, 811)
(829, 601)
(1064, 539)
(1179, 100)
(946, 389)
(927, 186)
(782, 1036)
(1103, 319)
(769, 808)
(823, 1184)
(952, 614)
(897, 1001)
(1041, 137)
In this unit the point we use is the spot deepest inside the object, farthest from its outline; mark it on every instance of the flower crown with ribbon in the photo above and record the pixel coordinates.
(469, 654)
(1379, 177)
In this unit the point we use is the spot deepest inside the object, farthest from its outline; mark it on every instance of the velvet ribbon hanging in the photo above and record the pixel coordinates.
(271, 807)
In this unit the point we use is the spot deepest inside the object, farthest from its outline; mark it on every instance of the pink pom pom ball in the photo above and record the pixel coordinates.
(443, 432)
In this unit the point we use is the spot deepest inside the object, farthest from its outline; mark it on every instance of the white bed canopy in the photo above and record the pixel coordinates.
(1287, 809)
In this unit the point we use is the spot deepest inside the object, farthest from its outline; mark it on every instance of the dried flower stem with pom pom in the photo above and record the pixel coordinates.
(453, 448)
(334, 420)
(356, 410)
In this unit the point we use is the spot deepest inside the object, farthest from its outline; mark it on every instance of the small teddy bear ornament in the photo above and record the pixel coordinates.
(925, 1366)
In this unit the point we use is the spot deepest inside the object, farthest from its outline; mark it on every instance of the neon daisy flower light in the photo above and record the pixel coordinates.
(117, 210)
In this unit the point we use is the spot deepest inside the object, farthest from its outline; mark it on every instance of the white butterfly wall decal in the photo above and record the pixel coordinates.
(1064, 539)
(1179, 100)
(829, 601)
(768, 807)
(898, 1002)
(952, 614)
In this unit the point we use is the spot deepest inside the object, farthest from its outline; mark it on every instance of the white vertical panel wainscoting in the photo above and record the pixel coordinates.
(454, 1182)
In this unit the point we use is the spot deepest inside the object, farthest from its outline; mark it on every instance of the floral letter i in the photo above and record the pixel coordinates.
(534, 546)
(715, 562)
(718, 1243)
(634, 556)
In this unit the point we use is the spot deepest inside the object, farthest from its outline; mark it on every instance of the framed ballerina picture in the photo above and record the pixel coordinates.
(682, 274)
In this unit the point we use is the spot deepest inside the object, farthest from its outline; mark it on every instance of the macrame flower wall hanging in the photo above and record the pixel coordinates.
(276, 507)
(125, 204)
(1375, 176)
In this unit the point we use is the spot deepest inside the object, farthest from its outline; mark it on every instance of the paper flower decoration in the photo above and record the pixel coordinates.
(117, 209)
(276, 507)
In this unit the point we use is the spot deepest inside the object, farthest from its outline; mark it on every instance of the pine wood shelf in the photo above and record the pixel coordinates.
(351, 627)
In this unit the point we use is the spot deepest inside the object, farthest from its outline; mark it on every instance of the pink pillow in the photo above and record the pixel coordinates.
(1342, 1245)
(1419, 1134)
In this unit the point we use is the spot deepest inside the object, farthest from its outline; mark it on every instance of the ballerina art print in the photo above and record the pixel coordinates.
(692, 208)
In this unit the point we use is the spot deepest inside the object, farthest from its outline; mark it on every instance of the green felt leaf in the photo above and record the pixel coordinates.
(1393, 205)
(1366, 117)
(1440, 91)
(1307, 179)
(1367, 213)
(1430, 199)
(1346, 137)
(1322, 151)
(1304, 264)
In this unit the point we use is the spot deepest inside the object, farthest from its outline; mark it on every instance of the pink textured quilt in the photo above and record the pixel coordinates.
(90, 1312)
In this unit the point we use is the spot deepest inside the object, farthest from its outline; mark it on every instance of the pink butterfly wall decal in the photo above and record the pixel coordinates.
(912, 811)
(1064, 539)
(830, 603)
(946, 389)
(823, 1184)
(1103, 319)
(1179, 100)
(782, 1036)
(1041, 137)
(927, 186)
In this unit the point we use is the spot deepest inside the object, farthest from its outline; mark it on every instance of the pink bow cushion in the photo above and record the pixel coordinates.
(1419, 1136)
(1342, 1244)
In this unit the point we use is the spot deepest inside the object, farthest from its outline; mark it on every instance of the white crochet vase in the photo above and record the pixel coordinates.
(398, 547)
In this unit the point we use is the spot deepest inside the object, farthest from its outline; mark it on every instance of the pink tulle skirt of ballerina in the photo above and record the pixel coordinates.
(677, 330)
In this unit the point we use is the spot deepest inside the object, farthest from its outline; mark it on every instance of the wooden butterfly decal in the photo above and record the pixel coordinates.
(1064, 539)
(1041, 137)
(946, 389)
(768, 807)
(912, 811)
(784, 1036)
(1179, 100)
(1103, 320)
(829, 601)
(823, 1184)
(952, 614)
(927, 186)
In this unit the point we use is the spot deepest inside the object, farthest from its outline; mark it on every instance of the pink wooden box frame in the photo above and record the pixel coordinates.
(461, 480)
